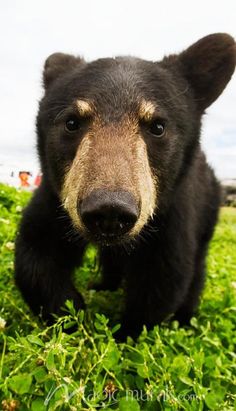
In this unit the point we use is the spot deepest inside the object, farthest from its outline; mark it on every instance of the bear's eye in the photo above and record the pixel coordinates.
(157, 128)
(72, 124)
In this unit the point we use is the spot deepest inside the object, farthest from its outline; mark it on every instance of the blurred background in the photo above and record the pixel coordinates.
(31, 30)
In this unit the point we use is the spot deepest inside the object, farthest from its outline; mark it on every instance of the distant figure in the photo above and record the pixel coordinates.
(38, 179)
(24, 177)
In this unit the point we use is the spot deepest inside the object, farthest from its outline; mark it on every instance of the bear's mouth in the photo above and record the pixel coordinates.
(108, 240)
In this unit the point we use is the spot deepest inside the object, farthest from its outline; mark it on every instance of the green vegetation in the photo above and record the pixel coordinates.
(168, 368)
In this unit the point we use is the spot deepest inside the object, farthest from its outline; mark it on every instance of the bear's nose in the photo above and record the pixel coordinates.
(109, 213)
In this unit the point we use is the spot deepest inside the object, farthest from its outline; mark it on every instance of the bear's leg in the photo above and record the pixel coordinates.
(147, 304)
(157, 284)
(137, 314)
(45, 257)
(188, 309)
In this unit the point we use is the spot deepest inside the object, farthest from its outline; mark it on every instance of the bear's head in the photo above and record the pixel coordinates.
(115, 136)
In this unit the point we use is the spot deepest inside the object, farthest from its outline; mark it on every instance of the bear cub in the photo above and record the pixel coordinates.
(119, 146)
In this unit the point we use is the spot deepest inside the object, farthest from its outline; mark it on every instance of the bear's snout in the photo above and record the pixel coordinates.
(108, 215)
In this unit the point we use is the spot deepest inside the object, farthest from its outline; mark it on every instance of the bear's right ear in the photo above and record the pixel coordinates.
(207, 65)
(58, 64)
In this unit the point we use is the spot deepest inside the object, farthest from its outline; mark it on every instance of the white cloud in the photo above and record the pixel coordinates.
(31, 30)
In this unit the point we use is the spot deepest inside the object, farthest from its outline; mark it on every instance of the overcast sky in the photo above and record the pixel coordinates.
(30, 30)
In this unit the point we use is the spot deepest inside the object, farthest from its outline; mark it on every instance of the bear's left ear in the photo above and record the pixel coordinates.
(58, 64)
(208, 66)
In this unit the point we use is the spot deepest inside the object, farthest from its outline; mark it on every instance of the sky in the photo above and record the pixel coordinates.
(30, 30)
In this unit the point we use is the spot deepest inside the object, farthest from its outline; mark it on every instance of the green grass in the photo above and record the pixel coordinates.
(168, 368)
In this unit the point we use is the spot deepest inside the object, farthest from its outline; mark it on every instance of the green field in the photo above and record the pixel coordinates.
(168, 368)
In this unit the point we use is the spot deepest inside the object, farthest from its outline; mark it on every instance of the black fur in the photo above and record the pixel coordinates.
(164, 269)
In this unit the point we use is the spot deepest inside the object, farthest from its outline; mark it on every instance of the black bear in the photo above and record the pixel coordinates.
(118, 141)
